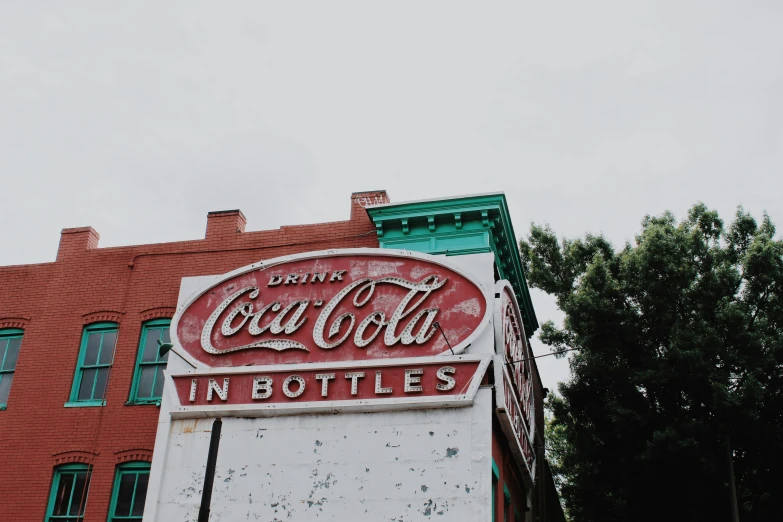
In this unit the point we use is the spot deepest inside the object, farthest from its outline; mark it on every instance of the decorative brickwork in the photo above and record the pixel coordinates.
(133, 455)
(102, 316)
(160, 312)
(14, 322)
(73, 457)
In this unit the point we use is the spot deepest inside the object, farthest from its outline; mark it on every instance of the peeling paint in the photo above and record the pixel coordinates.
(382, 466)
(384, 462)
(469, 307)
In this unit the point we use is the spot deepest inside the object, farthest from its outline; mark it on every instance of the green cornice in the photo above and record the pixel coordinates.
(458, 226)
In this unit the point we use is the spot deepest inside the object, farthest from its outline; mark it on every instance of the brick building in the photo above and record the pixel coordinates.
(81, 377)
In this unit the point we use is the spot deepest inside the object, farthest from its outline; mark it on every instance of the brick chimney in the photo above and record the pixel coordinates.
(225, 224)
(76, 240)
(362, 200)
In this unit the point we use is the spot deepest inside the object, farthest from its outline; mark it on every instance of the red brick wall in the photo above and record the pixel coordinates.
(53, 302)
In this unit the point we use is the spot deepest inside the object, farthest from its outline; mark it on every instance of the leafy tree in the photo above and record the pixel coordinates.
(678, 347)
(556, 448)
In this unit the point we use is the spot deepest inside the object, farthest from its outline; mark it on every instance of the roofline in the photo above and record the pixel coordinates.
(447, 198)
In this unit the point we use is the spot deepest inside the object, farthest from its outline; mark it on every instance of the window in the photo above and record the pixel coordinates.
(148, 378)
(10, 342)
(130, 492)
(95, 359)
(69, 493)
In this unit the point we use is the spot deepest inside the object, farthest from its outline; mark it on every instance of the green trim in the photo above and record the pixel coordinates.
(58, 473)
(130, 468)
(84, 404)
(6, 336)
(458, 226)
(495, 484)
(506, 503)
(159, 324)
(102, 328)
(495, 480)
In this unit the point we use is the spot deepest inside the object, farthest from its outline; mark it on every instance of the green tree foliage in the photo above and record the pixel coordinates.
(556, 448)
(678, 343)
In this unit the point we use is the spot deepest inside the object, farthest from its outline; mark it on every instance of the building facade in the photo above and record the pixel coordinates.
(92, 426)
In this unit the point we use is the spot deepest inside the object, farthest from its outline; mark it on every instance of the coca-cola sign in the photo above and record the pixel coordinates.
(514, 377)
(342, 305)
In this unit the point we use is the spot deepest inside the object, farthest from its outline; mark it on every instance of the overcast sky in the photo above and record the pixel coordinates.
(138, 118)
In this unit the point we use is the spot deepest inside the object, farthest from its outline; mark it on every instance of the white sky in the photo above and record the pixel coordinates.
(139, 118)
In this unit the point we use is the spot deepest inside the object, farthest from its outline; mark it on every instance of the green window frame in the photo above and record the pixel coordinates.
(10, 345)
(96, 356)
(147, 387)
(70, 489)
(129, 492)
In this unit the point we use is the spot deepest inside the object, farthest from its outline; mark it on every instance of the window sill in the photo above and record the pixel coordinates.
(155, 402)
(2, 407)
(84, 404)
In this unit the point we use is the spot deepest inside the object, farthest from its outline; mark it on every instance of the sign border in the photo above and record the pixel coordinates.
(337, 252)
(503, 378)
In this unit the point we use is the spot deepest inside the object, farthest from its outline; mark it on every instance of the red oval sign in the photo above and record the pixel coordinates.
(331, 306)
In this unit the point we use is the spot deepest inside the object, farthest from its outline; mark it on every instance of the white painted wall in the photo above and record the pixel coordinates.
(418, 465)
(384, 466)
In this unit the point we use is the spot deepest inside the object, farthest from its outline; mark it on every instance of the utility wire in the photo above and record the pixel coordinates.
(540, 356)
(553, 353)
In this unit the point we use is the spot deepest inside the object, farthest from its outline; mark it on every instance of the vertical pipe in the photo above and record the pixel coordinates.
(209, 478)
(732, 486)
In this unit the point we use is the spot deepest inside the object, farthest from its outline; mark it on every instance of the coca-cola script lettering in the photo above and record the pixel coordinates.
(321, 308)
(243, 315)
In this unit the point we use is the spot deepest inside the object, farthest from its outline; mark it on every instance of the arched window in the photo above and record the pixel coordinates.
(96, 356)
(148, 378)
(129, 492)
(10, 343)
(68, 497)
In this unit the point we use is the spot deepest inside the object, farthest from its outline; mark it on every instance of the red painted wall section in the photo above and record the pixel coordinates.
(510, 476)
(53, 302)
